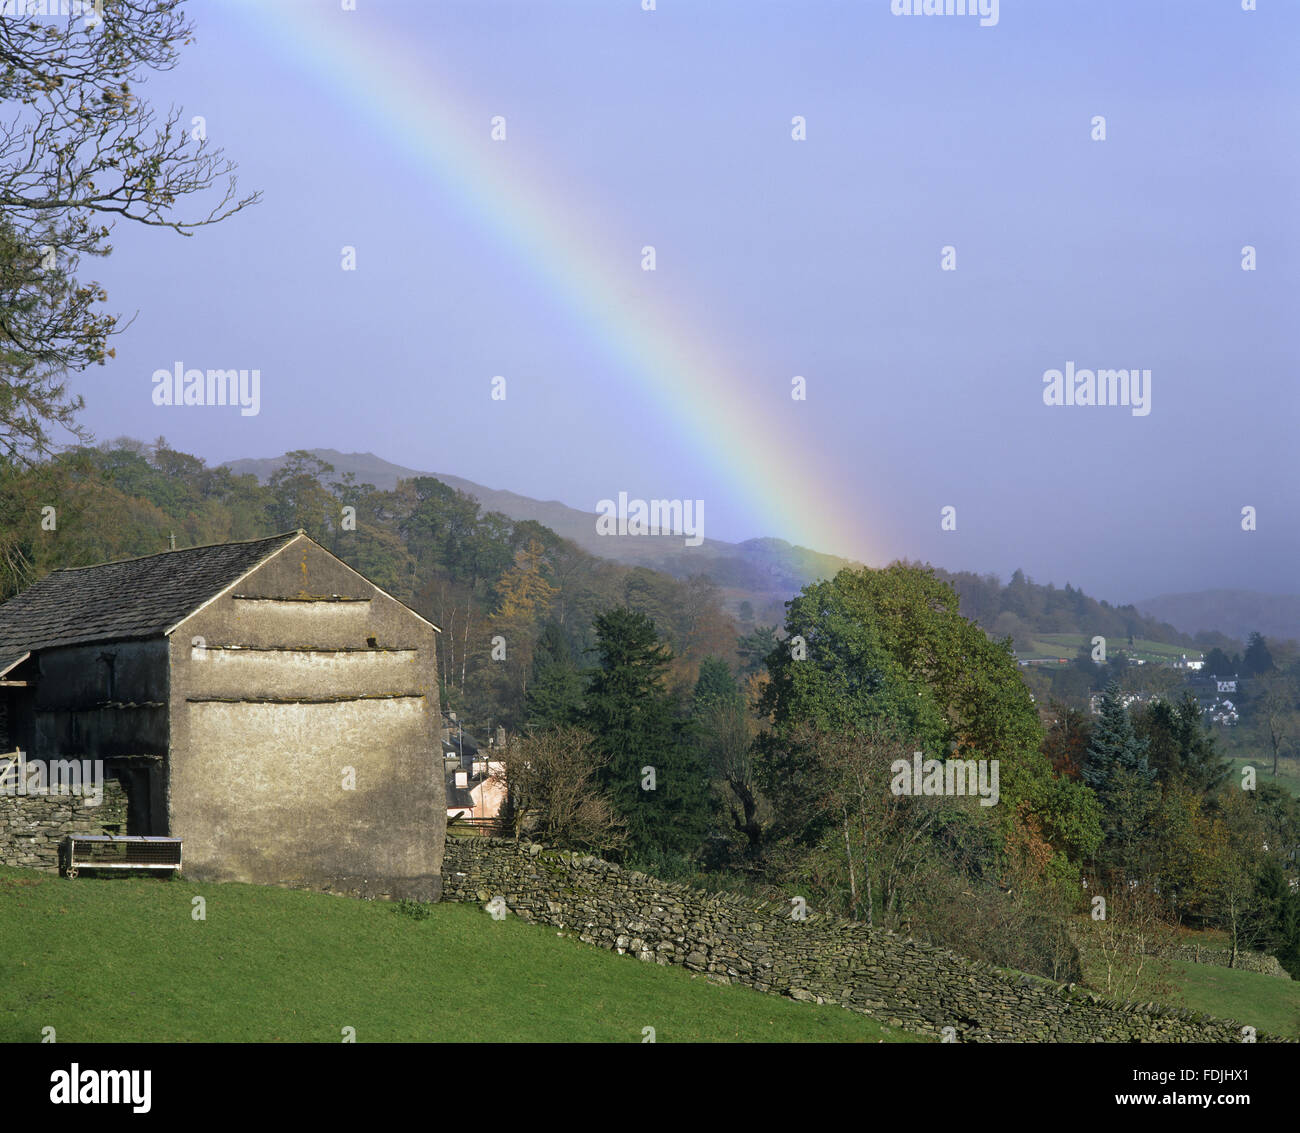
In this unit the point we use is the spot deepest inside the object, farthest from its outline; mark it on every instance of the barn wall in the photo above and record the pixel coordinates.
(278, 688)
(73, 711)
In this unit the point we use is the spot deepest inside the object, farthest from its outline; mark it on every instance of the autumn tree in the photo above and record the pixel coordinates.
(1066, 741)
(523, 598)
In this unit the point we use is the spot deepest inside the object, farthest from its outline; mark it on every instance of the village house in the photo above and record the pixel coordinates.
(475, 787)
(260, 700)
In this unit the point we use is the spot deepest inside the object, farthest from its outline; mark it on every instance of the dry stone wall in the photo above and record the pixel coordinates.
(32, 826)
(1245, 959)
(823, 959)
(1222, 957)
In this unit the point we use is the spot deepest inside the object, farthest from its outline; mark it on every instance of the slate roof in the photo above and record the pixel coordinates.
(459, 796)
(133, 598)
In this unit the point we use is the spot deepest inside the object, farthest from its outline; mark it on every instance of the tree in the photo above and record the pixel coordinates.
(754, 648)
(1278, 916)
(81, 150)
(1011, 625)
(554, 693)
(1066, 741)
(889, 647)
(552, 789)
(1257, 659)
(726, 730)
(881, 838)
(1235, 859)
(1123, 939)
(658, 783)
(1275, 718)
(714, 686)
(301, 498)
(523, 597)
(1179, 744)
(1117, 770)
(1219, 664)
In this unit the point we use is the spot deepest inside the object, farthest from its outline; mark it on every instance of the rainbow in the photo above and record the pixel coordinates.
(749, 437)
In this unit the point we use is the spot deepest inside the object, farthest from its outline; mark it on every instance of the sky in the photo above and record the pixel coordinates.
(776, 257)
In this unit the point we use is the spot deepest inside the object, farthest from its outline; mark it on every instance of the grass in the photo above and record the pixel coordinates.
(1068, 644)
(1288, 771)
(123, 960)
(1266, 1003)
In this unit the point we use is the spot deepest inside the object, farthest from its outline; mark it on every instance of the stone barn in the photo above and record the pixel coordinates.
(261, 700)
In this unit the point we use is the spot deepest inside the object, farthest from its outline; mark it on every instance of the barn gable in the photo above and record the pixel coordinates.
(261, 700)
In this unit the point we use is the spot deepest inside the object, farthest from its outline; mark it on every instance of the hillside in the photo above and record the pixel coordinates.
(277, 965)
(767, 571)
(1235, 613)
(763, 567)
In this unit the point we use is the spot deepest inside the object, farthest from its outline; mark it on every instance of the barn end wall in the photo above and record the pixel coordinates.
(278, 688)
(736, 939)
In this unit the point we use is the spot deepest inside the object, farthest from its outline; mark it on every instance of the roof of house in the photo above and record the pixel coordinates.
(459, 797)
(132, 598)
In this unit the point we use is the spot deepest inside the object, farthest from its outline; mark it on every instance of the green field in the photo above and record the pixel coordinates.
(1068, 644)
(1288, 772)
(122, 960)
(1264, 1002)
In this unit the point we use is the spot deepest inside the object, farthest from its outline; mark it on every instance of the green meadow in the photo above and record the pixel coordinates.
(124, 960)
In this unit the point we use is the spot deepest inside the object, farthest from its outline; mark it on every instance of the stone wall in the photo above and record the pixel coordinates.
(1222, 957)
(823, 959)
(32, 826)
(1247, 961)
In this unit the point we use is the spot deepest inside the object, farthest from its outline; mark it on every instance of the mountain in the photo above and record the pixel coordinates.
(762, 569)
(1236, 613)
(767, 572)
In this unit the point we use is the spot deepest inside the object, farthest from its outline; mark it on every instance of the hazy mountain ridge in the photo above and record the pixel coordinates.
(1236, 613)
(765, 565)
(769, 570)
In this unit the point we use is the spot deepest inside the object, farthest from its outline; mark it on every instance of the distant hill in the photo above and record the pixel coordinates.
(768, 572)
(758, 567)
(1236, 613)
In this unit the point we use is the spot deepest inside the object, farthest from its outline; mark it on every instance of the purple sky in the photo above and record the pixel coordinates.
(926, 386)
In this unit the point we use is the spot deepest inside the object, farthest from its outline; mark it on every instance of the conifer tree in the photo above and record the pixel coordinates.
(1118, 770)
(554, 695)
(659, 784)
